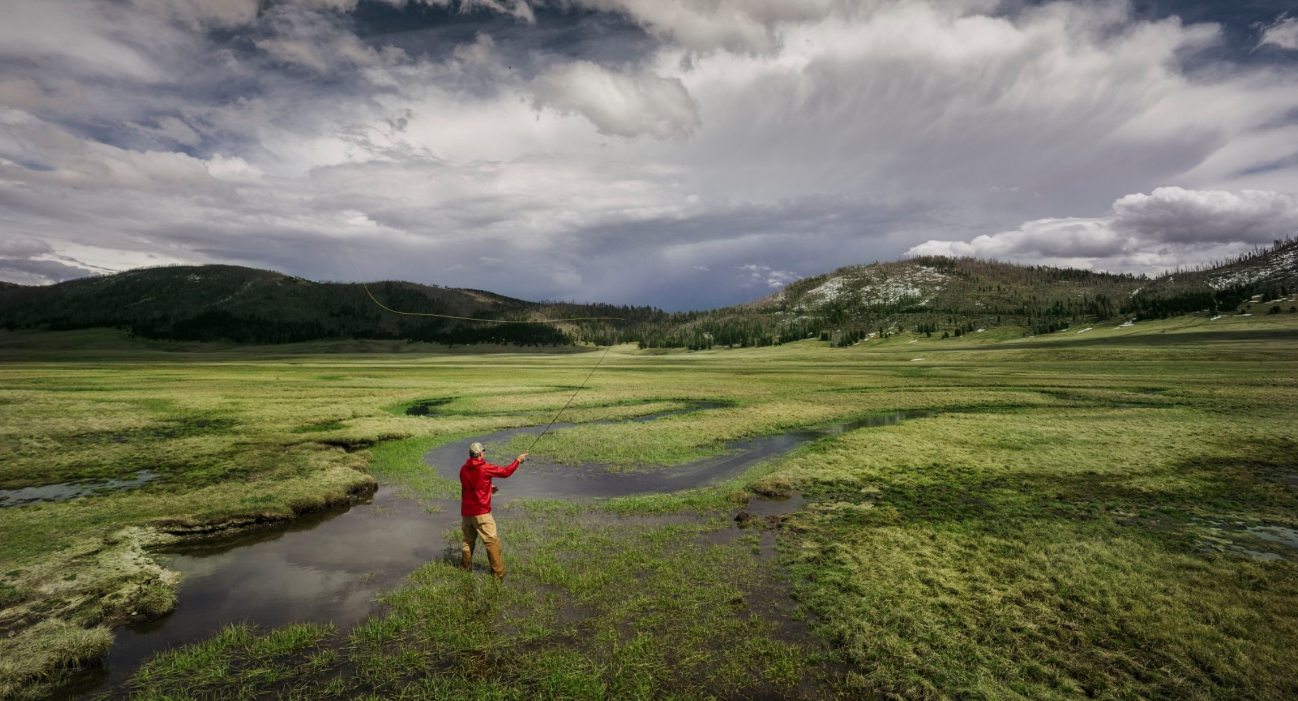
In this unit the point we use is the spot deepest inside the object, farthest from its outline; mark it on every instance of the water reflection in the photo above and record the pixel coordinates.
(71, 490)
(328, 567)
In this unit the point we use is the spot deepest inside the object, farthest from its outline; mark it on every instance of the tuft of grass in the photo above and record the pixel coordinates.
(236, 659)
(47, 648)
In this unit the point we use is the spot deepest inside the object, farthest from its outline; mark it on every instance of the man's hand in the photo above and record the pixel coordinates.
(523, 458)
(494, 489)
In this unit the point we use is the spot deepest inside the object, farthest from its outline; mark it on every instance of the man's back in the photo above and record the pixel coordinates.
(475, 484)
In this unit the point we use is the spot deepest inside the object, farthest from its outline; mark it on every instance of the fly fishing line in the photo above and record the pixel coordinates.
(497, 321)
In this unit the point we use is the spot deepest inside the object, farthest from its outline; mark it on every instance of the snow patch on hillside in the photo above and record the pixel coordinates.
(829, 290)
(1278, 265)
(877, 285)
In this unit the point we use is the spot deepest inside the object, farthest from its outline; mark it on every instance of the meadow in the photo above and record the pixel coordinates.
(1082, 516)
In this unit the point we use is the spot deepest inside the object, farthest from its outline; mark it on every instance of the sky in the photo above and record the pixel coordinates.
(685, 154)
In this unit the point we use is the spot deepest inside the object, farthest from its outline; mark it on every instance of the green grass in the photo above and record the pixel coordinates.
(1048, 534)
(645, 608)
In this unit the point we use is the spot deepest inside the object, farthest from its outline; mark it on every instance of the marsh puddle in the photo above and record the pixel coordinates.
(71, 490)
(540, 479)
(329, 567)
(1228, 539)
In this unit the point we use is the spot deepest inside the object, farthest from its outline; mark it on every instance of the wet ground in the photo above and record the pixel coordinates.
(1260, 542)
(329, 567)
(544, 480)
(71, 490)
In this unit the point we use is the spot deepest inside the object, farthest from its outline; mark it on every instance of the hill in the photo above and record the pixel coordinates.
(244, 305)
(955, 296)
(929, 296)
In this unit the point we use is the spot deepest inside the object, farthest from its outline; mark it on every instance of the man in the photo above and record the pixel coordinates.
(475, 508)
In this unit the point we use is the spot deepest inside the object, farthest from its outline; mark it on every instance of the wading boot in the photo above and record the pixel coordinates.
(466, 559)
(497, 564)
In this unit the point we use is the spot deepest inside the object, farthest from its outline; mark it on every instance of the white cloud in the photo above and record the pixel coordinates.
(1169, 227)
(321, 43)
(1282, 33)
(68, 162)
(92, 38)
(1177, 215)
(734, 25)
(804, 134)
(758, 274)
(619, 104)
(519, 9)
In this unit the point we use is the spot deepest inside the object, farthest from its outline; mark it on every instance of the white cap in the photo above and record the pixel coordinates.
(475, 449)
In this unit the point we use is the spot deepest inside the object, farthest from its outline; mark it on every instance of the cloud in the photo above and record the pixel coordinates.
(98, 39)
(731, 25)
(200, 13)
(1169, 227)
(39, 272)
(26, 94)
(774, 279)
(28, 261)
(611, 148)
(24, 248)
(619, 104)
(1282, 33)
(38, 154)
(1177, 215)
(171, 129)
(321, 42)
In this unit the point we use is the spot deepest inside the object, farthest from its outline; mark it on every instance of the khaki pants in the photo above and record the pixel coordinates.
(483, 527)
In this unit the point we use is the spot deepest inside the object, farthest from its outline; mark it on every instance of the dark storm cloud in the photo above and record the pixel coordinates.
(686, 154)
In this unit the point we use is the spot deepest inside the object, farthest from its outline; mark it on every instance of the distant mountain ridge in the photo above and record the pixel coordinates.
(922, 295)
(952, 296)
(246, 305)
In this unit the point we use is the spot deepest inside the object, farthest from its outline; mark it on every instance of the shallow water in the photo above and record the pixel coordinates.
(327, 567)
(1282, 536)
(540, 479)
(1287, 537)
(330, 566)
(71, 490)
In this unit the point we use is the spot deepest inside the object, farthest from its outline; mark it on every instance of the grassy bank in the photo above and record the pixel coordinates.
(1072, 522)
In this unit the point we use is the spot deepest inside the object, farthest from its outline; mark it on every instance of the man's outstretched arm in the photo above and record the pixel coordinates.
(503, 472)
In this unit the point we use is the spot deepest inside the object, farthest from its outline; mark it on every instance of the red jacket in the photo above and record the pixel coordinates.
(475, 485)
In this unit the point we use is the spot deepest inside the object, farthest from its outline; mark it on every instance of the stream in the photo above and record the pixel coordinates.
(330, 566)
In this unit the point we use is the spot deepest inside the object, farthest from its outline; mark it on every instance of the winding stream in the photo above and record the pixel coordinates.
(330, 566)
(540, 479)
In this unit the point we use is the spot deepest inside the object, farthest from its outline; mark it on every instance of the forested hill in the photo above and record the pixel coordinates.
(244, 305)
(932, 296)
(954, 296)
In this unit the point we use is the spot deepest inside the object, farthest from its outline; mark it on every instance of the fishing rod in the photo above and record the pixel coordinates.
(498, 321)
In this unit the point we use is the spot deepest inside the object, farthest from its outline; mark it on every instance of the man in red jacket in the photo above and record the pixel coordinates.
(475, 508)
